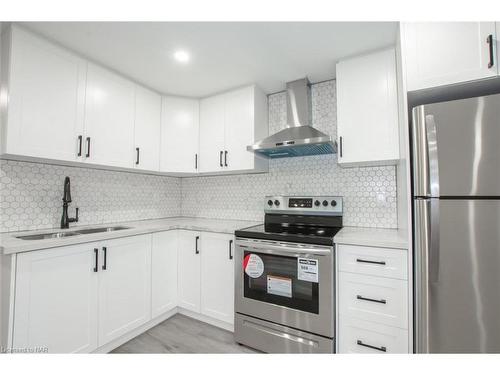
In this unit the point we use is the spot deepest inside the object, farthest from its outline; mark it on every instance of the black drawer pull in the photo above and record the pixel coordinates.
(220, 159)
(225, 158)
(196, 250)
(80, 141)
(195, 161)
(96, 265)
(489, 40)
(137, 156)
(383, 301)
(380, 349)
(105, 264)
(230, 249)
(87, 155)
(382, 263)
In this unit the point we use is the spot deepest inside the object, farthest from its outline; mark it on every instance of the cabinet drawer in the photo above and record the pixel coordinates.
(358, 336)
(373, 261)
(376, 299)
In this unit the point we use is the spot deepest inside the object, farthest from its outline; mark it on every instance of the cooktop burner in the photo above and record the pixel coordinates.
(313, 220)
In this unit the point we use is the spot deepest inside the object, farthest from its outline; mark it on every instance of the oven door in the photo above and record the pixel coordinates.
(286, 283)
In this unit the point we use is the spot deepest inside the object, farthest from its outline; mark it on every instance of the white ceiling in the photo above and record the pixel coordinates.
(223, 55)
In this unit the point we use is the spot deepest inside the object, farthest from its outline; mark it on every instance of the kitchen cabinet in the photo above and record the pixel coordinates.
(147, 127)
(189, 263)
(56, 305)
(124, 286)
(443, 53)
(179, 135)
(228, 124)
(164, 272)
(367, 110)
(212, 134)
(45, 85)
(109, 118)
(217, 276)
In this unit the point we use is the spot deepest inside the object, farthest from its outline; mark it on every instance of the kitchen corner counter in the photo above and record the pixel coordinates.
(9, 244)
(376, 237)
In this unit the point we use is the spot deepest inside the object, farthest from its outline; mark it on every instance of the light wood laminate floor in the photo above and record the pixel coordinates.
(181, 334)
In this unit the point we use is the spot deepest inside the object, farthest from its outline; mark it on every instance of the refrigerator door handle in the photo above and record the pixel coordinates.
(425, 155)
(426, 265)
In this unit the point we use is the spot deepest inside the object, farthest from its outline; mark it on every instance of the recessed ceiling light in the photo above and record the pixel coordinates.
(181, 56)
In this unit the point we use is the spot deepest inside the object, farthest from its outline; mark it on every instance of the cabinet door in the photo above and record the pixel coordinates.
(211, 134)
(109, 118)
(147, 129)
(56, 300)
(217, 276)
(239, 129)
(443, 53)
(189, 270)
(46, 99)
(179, 135)
(367, 109)
(164, 272)
(124, 286)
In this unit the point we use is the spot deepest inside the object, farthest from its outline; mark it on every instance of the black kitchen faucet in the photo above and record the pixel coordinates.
(65, 220)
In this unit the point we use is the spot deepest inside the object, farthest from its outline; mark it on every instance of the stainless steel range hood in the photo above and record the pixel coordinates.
(299, 138)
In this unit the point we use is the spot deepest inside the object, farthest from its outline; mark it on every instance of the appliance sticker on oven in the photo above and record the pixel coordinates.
(280, 286)
(253, 265)
(307, 270)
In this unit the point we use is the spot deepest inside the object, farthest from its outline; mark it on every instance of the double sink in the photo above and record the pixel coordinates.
(44, 236)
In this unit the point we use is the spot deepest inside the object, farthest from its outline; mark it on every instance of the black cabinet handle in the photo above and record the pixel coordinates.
(220, 159)
(489, 40)
(382, 263)
(96, 253)
(80, 141)
(225, 158)
(105, 263)
(87, 155)
(340, 146)
(195, 161)
(383, 301)
(379, 348)
(230, 249)
(196, 250)
(137, 156)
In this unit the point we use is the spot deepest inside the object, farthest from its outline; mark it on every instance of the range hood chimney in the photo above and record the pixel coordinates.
(299, 138)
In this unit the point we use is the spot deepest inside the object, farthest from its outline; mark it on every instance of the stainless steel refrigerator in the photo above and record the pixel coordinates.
(456, 198)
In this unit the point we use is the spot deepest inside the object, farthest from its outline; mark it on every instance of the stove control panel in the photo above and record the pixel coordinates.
(300, 205)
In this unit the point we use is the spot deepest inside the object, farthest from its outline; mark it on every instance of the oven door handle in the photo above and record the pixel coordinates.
(270, 248)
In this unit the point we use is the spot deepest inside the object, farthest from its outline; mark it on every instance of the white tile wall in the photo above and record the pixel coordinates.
(369, 193)
(31, 195)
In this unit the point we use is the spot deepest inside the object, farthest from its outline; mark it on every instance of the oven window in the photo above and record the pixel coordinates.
(279, 284)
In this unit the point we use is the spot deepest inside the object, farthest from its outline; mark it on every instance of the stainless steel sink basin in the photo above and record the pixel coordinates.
(45, 236)
(100, 230)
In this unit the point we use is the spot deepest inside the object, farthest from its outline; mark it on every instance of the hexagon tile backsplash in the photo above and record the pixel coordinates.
(369, 193)
(31, 193)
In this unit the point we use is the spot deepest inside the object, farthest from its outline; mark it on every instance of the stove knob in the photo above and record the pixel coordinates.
(325, 203)
(333, 203)
(317, 203)
(270, 203)
(277, 203)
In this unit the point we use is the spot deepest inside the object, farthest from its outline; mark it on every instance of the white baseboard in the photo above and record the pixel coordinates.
(206, 319)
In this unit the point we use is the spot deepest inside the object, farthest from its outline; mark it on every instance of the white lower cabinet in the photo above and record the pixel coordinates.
(56, 305)
(164, 272)
(217, 276)
(124, 286)
(189, 263)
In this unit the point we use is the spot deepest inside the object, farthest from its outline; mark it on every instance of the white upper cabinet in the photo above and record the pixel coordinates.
(211, 134)
(109, 118)
(179, 135)
(217, 276)
(367, 110)
(147, 129)
(228, 124)
(443, 53)
(46, 90)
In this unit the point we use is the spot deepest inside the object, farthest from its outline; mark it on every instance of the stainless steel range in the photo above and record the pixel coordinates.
(285, 276)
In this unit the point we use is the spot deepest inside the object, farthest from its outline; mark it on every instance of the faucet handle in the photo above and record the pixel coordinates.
(76, 215)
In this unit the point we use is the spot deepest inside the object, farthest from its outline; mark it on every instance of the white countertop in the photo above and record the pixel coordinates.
(376, 237)
(9, 244)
